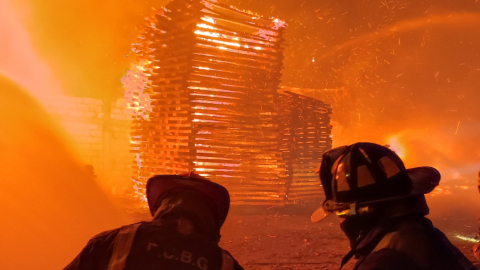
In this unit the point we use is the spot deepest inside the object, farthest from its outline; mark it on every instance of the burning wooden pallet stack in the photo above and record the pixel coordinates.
(204, 89)
(305, 136)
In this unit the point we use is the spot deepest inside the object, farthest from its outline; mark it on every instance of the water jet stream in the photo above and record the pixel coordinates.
(50, 206)
(406, 25)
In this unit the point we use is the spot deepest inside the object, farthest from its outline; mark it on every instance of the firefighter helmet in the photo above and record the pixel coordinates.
(362, 174)
(159, 185)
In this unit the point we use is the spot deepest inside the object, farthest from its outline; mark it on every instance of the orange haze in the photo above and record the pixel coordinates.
(405, 74)
(50, 207)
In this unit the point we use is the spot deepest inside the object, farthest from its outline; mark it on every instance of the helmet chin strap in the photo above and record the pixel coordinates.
(360, 208)
(355, 210)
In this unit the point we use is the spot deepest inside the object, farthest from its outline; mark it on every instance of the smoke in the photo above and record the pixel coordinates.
(424, 91)
(409, 67)
(87, 43)
(404, 69)
(19, 59)
(419, 86)
(50, 205)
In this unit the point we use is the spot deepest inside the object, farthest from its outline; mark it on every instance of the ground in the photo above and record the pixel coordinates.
(283, 242)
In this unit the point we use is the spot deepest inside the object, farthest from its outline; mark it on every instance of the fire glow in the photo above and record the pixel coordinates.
(397, 147)
(225, 105)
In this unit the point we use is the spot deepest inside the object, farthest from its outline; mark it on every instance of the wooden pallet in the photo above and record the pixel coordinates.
(305, 136)
(212, 78)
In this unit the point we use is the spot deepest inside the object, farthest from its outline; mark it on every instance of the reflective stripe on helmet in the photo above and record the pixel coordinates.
(364, 176)
(389, 166)
(341, 172)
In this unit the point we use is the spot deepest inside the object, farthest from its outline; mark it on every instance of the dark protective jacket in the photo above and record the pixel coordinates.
(409, 242)
(152, 245)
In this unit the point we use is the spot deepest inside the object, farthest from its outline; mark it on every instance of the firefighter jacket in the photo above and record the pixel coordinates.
(152, 245)
(410, 242)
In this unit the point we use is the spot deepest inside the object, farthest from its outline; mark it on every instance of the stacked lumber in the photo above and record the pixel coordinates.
(203, 89)
(213, 73)
(305, 136)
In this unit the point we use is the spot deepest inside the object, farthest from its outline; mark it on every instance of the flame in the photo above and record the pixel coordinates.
(441, 191)
(279, 24)
(466, 238)
(135, 83)
(206, 26)
(206, 33)
(216, 35)
(208, 19)
(397, 146)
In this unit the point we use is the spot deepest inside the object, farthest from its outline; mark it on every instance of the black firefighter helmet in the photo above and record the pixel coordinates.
(160, 185)
(360, 175)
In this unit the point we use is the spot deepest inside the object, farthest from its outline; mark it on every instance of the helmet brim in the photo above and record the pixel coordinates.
(424, 180)
(319, 215)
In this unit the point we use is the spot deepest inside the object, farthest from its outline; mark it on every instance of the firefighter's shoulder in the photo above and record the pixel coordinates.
(110, 234)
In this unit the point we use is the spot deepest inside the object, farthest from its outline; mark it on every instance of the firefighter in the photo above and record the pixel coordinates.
(478, 182)
(476, 247)
(382, 209)
(188, 211)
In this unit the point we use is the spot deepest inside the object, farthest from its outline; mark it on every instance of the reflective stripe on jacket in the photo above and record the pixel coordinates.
(152, 245)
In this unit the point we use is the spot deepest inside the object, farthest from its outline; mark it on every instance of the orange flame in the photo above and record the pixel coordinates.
(397, 146)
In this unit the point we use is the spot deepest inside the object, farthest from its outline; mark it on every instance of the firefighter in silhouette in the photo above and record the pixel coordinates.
(478, 182)
(90, 172)
(382, 209)
(476, 247)
(188, 212)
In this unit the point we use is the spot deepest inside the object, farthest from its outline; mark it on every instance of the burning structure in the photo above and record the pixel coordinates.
(204, 91)
(305, 136)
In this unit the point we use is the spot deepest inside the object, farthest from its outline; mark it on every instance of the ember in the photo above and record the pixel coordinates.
(211, 74)
(202, 89)
(305, 137)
